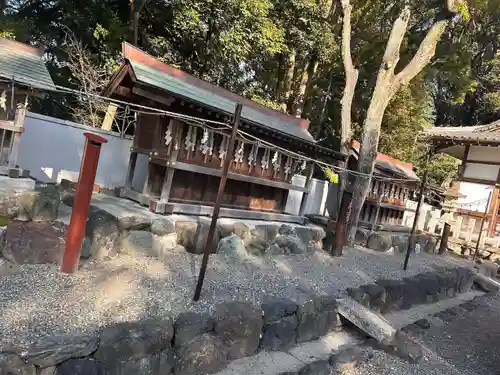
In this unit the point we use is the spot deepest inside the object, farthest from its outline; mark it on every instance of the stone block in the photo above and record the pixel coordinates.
(134, 222)
(280, 334)
(465, 279)
(290, 244)
(33, 242)
(380, 242)
(267, 232)
(488, 268)
(361, 237)
(400, 243)
(12, 364)
(189, 325)
(162, 226)
(157, 364)
(407, 348)
(104, 232)
(239, 325)
(42, 204)
(84, 366)
(186, 234)
(359, 296)
(307, 316)
(204, 355)
(276, 309)
(52, 350)
(394, 292)
(377, 296)
(133, 340)
(232, 247)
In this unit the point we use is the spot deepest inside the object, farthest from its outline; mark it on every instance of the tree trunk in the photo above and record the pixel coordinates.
(386, 86)
(288, 79)
(310, 69)
(351, 80)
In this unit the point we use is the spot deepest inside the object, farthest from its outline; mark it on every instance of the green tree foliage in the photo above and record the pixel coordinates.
(285, 54)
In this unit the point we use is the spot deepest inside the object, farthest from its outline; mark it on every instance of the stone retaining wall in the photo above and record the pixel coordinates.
(392, 295)
(193, 344)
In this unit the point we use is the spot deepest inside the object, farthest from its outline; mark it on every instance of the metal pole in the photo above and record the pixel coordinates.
(225, 169)
(483, 219)
(83, 195)
(443, 246)
(417, 215)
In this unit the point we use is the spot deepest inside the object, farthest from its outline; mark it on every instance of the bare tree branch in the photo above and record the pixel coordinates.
(351, 75)
(391, 55)
(90, 78)
(425, 53)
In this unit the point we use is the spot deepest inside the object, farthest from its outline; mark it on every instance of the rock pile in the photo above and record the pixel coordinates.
(392, 295)
(194, 344)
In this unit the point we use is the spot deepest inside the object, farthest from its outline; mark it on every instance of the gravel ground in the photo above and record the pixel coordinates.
(41, 301)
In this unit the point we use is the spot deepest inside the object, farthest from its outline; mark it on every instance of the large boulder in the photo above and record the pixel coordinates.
(280, 334)
(187, 234)
(276, 309)
(42, 204)
(83, 366)
(12, 364)
(400, 243)
(134, 222)
(361, 237)
(312, 237)
(205, 354)
(156, 364)
(289, 244)
(239, 325)
(104, 232)
(488, 268)
(34, 242)
(380, 242)
(52, 350)
(123, 342)
(162, 226)
(232, 247)
(190, 325)
(147, 244)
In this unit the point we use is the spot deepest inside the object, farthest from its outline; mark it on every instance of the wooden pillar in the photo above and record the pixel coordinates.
(495, 205)
(147, 184)
(457, 227)
(169, 174)
(132, 161)
(308, 185)
(16, 137)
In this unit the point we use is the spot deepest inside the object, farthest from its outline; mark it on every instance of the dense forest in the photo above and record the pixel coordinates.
(286, 54)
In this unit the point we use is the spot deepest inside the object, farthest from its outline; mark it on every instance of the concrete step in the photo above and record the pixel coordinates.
(275, 363)
(400, 319)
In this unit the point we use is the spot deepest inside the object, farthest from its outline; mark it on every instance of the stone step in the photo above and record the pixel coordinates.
(295, 359)
(402, 318)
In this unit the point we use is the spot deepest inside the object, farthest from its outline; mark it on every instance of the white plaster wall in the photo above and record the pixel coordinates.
(52, 150)
(475, 196)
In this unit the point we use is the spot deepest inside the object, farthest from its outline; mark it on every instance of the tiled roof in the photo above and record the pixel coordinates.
(24, 64)
(388, 163)
(485, 133)
(152, 72)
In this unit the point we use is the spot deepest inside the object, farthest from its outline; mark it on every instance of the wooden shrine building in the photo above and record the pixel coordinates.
(478, 147)
(393, 184)
(186, 154)
(23, 73)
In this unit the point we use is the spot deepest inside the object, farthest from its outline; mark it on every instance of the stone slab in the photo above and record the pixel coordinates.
(486, 283)
(372, 324)
(400, 319)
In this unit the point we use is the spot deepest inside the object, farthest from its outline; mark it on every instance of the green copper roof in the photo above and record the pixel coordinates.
(156, 78)
(20, 63)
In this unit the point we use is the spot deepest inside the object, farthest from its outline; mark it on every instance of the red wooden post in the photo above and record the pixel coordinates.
(83, 195)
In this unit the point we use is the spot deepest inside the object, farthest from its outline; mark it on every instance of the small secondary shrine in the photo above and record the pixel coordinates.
(186, 155)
